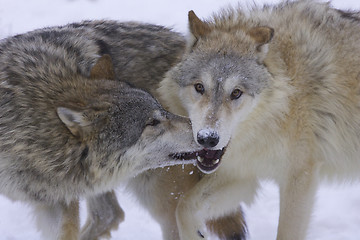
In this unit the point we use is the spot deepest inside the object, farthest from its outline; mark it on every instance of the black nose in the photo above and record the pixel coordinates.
(207, 138)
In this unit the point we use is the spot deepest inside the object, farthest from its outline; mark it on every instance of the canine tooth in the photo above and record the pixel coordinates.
(216, 161)
(200, 159)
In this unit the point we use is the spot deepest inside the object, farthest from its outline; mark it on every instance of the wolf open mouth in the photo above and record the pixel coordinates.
(207, 160)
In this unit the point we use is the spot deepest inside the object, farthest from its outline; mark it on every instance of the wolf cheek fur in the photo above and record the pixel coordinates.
(297, 120)
(65, 133)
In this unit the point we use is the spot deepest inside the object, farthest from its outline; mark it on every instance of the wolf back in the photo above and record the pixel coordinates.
(141, 53)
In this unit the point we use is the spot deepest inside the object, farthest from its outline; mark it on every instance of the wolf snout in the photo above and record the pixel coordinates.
(208, 138)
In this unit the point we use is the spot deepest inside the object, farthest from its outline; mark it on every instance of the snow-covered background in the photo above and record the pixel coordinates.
(337, 211)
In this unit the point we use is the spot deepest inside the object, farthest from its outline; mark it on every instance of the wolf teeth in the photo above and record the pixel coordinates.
(200, 159)
(216, 161)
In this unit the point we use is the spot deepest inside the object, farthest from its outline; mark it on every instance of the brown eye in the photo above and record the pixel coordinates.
(199, 88)
(236, 94)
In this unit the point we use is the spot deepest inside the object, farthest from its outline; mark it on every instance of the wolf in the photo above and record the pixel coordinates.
(278, 87)
(70, 129)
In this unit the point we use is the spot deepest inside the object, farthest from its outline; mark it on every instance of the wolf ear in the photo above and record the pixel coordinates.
(75, 121)
(262, 36)
(197, 27)
(103, 68)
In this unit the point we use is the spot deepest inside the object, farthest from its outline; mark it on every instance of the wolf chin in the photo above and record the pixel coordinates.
(278, 88)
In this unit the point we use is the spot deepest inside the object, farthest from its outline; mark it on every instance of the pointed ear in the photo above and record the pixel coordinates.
(262, 36)
(197, 27)
(75, 121)
(103, 69)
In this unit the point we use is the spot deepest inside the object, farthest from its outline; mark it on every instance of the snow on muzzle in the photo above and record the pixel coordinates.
(207, 160)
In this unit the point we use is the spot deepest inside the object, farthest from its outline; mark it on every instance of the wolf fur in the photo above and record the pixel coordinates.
(280, 86)
(69, 129)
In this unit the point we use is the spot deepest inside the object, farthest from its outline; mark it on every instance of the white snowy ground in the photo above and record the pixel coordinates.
(337, 211)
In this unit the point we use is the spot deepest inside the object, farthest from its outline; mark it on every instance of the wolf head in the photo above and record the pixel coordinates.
(125, 127)
(219, 79)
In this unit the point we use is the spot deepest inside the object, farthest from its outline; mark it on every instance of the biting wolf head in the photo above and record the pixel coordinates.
(66, 132)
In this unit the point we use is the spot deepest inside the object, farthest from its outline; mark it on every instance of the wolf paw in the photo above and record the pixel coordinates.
(230, 227)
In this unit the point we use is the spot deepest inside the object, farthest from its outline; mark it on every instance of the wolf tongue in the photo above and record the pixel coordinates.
(210, 154)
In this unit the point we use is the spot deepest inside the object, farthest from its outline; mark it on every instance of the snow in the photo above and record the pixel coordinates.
(337, 210)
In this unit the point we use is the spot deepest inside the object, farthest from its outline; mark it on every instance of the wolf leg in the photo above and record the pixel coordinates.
(70, 222)
(168, 224)
(229, 227)
(160, 190)
(104, 215)
(297, 198)
(212, 197)
(58, 221)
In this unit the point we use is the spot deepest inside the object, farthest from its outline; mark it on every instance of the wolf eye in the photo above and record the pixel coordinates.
(236, 94)
(199, 88)
(153, 122)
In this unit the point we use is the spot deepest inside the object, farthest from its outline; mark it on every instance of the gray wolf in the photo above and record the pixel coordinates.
(70, 129)
(278, 87)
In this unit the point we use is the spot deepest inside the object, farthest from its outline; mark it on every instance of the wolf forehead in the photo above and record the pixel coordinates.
(136, 105)
(249, 74)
